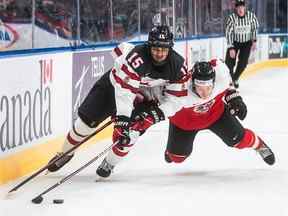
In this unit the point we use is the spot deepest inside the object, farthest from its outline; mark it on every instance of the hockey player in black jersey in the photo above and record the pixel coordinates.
(241, 34)
(136, 70)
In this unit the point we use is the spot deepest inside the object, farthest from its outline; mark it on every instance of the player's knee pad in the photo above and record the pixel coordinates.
(170, 157)
(249, 140)
(122, 150)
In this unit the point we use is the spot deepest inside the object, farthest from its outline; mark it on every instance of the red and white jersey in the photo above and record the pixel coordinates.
(197, 113)
(133, 72)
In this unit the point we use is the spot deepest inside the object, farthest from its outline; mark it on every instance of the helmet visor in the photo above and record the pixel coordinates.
(198, 82)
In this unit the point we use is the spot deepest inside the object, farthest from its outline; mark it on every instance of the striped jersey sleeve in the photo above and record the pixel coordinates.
(125, 80)
(229, 31)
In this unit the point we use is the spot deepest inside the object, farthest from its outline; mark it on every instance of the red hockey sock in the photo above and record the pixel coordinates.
(249, 140)
(176, 158)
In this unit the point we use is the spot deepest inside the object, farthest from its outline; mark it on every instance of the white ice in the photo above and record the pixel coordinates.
(214, 180)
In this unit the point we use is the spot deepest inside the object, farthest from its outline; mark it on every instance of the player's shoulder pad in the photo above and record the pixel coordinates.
(178, 64)
(219, 66)
(177, 59)
(215, 62)
(122, 49)
(221, 69)
(141, 50)
(138, 59)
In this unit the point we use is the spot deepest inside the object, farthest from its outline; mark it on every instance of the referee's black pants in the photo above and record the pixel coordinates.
(243, 52)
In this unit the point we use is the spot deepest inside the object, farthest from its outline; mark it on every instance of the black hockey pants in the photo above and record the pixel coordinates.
(227, 127)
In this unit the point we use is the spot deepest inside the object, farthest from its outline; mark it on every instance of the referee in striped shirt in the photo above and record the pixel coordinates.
(241, 34)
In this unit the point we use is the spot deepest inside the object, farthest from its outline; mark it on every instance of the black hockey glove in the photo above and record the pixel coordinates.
(121, 130)
(147, 118)
(235, 104)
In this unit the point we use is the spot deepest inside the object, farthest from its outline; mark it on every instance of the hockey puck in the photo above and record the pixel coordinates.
(37, 200)
(58, 201)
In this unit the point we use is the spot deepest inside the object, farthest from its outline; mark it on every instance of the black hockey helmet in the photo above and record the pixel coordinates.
(239, 2)
(160, 36)
(203, 74)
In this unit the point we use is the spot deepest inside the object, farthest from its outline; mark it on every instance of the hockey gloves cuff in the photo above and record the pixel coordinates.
(121, 130)
(147, 118)
(235, 104)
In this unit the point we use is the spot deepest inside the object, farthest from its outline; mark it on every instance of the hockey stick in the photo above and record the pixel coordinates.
(38, 199)
(64, 154)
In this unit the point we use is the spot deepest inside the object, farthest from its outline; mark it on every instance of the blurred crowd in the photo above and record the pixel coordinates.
(93, 21)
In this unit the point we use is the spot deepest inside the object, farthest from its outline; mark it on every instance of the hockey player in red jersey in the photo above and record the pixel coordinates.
(136, 68)
(212, 104)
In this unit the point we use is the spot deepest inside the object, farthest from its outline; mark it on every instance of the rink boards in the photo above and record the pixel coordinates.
(40, 95)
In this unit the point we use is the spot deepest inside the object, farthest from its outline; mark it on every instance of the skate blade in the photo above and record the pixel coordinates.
(10, 195)
(101, 179)
(98, 179)
(47, 172)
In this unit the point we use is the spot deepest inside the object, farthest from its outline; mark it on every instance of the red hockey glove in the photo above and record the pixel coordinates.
(235, 104)
(147, 118)
(121, 130)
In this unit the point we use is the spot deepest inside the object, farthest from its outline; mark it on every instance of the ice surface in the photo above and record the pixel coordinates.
(214, 180)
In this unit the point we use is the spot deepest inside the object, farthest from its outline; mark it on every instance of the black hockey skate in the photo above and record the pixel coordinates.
(266, 153)
(105, 169)
(60, 163)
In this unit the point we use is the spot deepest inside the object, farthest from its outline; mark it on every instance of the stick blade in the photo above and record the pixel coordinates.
(10, 195)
